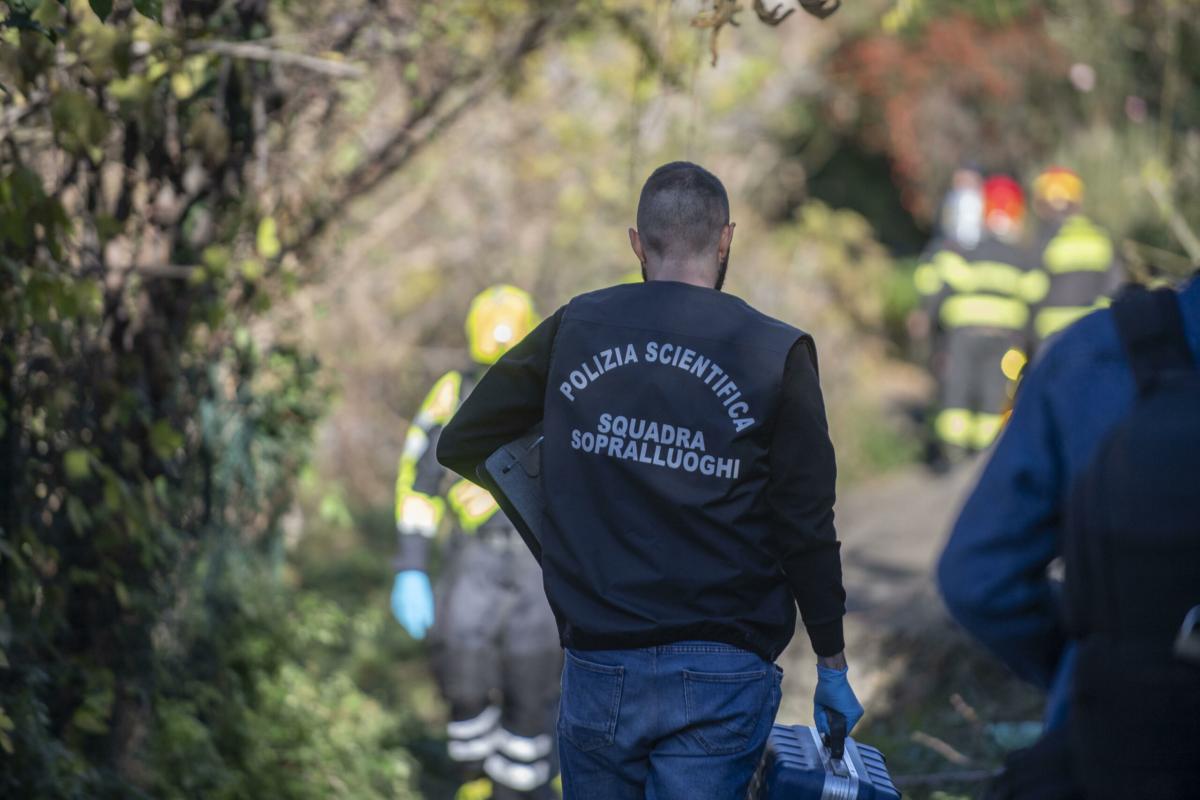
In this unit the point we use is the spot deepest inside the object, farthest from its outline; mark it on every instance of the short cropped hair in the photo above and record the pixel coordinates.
(682, 210)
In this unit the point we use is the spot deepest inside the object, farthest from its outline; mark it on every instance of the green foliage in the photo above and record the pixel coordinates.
(148, 441)
(909, 16)
(255, 714)
(102, 8)
(1102, 93)
(946, 688)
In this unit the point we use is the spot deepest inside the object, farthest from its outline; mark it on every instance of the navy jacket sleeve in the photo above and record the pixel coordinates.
(992, 573)
(509, 400)
(801, 494)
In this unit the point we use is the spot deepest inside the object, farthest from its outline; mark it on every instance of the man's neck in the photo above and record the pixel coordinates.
(689, 273)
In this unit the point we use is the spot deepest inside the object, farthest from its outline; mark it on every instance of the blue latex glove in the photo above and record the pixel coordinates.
(834, 693)
(412, 602)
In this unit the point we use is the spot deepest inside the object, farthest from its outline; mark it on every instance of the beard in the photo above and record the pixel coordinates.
(721, 269)
(721, 272)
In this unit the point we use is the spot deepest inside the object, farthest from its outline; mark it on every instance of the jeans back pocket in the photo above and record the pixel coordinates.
(591, 702)
(724, 709)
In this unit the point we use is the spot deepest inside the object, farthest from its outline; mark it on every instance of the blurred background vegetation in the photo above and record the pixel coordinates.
(238, 237)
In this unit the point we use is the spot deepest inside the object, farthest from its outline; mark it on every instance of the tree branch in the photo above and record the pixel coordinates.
(257, 52)
(407, 141)
(1179, 226)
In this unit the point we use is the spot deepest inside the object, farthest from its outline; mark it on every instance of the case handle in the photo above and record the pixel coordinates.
(835, 740)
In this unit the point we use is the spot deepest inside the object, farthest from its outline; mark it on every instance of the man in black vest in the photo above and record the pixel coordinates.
(689, 484)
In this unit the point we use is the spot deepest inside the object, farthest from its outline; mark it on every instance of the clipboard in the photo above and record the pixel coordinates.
(513, 475)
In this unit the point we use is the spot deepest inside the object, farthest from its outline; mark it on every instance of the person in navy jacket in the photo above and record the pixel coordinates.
(995, 571)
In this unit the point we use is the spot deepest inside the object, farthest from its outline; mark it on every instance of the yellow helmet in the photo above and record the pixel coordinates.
(499, 317)
(1059, 188)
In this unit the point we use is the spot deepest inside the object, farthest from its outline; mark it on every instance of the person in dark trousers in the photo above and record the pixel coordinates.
(689, 488)
(981, 300)
(960, 230)
(493, 644)
(1037, 495)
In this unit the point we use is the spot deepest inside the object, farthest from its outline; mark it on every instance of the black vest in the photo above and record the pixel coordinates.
(1132, 554)
(660, 406)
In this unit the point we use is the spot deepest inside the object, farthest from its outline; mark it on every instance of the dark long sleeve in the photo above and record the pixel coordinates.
(992, 573)
(801, 494)
(508, 401)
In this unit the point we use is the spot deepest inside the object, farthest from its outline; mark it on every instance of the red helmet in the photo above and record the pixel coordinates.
(1003, 197)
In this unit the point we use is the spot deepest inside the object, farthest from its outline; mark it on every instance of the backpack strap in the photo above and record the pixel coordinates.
(1150, 324)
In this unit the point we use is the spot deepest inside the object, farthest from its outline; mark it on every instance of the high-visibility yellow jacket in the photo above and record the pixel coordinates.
(425, 490)
(1084, 271)
(992, 286)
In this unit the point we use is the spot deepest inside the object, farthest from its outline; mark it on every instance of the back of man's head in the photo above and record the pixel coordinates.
(681, 216)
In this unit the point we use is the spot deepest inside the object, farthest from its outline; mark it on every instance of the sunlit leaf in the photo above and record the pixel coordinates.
(78, 515)
(267, 241)
(164, 439)
(89, 721)
(252, 269)
(112, 494)
(80, 125)
(77, 463)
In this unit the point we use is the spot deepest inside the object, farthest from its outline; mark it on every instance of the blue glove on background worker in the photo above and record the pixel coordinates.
(834, 694)
(412, 602)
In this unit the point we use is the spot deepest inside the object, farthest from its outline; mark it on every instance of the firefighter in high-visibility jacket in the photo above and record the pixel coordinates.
(1076, 253)
(960, 230)
(493, 643)
(980, 300)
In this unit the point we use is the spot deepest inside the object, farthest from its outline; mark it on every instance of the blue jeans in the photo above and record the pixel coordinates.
(687, 720)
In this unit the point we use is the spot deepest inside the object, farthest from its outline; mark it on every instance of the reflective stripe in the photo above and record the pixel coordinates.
(966, 429)
(514, 775)
(1033, 286)
(986, 428)
(984, 310)
(975, 276)
(472, 504)
(442, 400)
(476, 726)
(1079, 246)
(438, 407)
(954, 270)
(1049, 321)
(420, 514)
(996, 276)
(476, 738)
(525, 748)
(416, 442)
(953, 426)
(978, 277)
(478, 789)
(473, 749)
(926, 279)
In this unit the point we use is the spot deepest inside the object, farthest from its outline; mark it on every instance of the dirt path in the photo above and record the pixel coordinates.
(892, 530)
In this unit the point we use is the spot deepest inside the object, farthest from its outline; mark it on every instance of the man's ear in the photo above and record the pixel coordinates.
(725, 242)
(635, 242)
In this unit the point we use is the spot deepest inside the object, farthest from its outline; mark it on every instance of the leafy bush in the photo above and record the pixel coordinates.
(149, 439)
